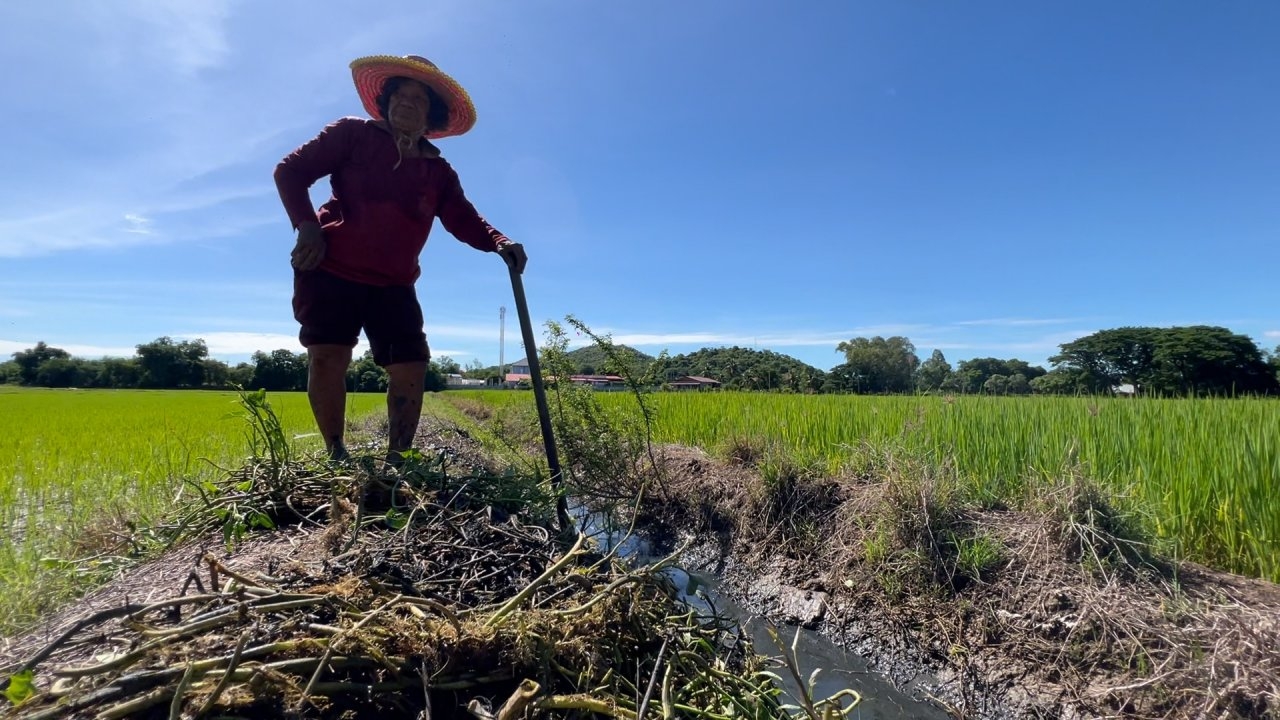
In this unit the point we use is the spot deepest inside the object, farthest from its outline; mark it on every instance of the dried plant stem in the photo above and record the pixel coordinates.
(501, 614)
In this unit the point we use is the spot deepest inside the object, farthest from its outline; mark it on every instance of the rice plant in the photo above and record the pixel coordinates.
(81, 469)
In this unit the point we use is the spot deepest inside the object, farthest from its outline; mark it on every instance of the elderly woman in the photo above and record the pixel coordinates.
(356, 259)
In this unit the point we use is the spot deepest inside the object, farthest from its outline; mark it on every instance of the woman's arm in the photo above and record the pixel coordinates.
(299, 170)
(460, 218)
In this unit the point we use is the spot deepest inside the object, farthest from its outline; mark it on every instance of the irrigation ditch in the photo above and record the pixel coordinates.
(1053, 609)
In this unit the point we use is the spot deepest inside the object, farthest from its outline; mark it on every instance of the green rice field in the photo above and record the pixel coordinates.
(75, 465)
(1203, 474)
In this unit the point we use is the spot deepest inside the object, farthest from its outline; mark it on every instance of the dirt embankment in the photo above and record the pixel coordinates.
(997, 613)
(434, 591)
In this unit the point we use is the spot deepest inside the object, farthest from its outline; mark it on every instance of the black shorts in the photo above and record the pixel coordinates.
(333, 311)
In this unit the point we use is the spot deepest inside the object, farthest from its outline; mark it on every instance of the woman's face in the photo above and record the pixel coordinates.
(409, 107)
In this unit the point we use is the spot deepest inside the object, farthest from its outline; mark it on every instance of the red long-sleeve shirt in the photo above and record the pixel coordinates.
(378, 219)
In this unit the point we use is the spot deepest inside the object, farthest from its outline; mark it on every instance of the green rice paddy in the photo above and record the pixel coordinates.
(1202, 475)
(78, 466)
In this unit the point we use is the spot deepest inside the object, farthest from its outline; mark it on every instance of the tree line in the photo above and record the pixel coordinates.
(167, 364)
(1198, 360)
(1176, 361)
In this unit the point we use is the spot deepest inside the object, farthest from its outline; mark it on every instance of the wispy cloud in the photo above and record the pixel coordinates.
(1042, 346)
(1272, 334)
(139, 59)
(69, 229)
(470, 332)
(187, 36)
(137, 224)
(814, 338)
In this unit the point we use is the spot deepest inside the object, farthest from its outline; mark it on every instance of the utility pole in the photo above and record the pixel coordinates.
(502, 346)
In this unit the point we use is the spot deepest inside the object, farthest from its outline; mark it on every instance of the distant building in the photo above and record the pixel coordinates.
(693, 382)
(454, 380)
(519, 371)
(600, 382)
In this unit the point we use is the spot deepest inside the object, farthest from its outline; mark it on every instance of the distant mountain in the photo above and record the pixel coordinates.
(736, 368)
(746, 369)
(592, 360)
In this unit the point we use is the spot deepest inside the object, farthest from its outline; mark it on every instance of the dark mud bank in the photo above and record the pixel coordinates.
(923, 688)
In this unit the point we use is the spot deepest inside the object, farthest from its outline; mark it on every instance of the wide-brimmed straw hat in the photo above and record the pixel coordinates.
(371, 73)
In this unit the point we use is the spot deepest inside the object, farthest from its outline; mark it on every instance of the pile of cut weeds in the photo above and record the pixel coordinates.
(436, 590)
(1052, 611)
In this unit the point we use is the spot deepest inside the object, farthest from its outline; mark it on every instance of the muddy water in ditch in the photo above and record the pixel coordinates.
(840, 669)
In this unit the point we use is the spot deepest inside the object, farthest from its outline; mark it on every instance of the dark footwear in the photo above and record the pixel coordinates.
(395, 459)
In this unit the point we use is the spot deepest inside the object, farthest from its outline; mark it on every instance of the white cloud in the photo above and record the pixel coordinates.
(239, 344)
(1018, 322)
(8, 347)
(244, 343)
(1272, 334)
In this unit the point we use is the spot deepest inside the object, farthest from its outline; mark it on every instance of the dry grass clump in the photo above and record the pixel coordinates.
(439, 595)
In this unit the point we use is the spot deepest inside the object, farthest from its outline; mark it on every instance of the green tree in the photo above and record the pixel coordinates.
(1110, 358)
(1063, 381)
(241, 375)
(933, 372)
(1205, 360)
(64, 372)
(217, 374)
(1195, 360)
(364, 375)
(996, 385)
(447, 365)
(972, 375)
(594, 358)
(169, 364)
(881, 365)
(437, 370)
(9, 373)
(475, 370)
(30, 360)
(842, 378)
(119, 373)
(736, 368)
(1018, 385)
(279, 370)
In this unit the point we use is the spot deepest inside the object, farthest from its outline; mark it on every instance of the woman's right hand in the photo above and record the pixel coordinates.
(309, 250)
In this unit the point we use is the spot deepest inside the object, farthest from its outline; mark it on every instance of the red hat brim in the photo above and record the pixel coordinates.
(371, 74)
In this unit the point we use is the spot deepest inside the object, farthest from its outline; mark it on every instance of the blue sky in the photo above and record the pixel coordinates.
(985, 178)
